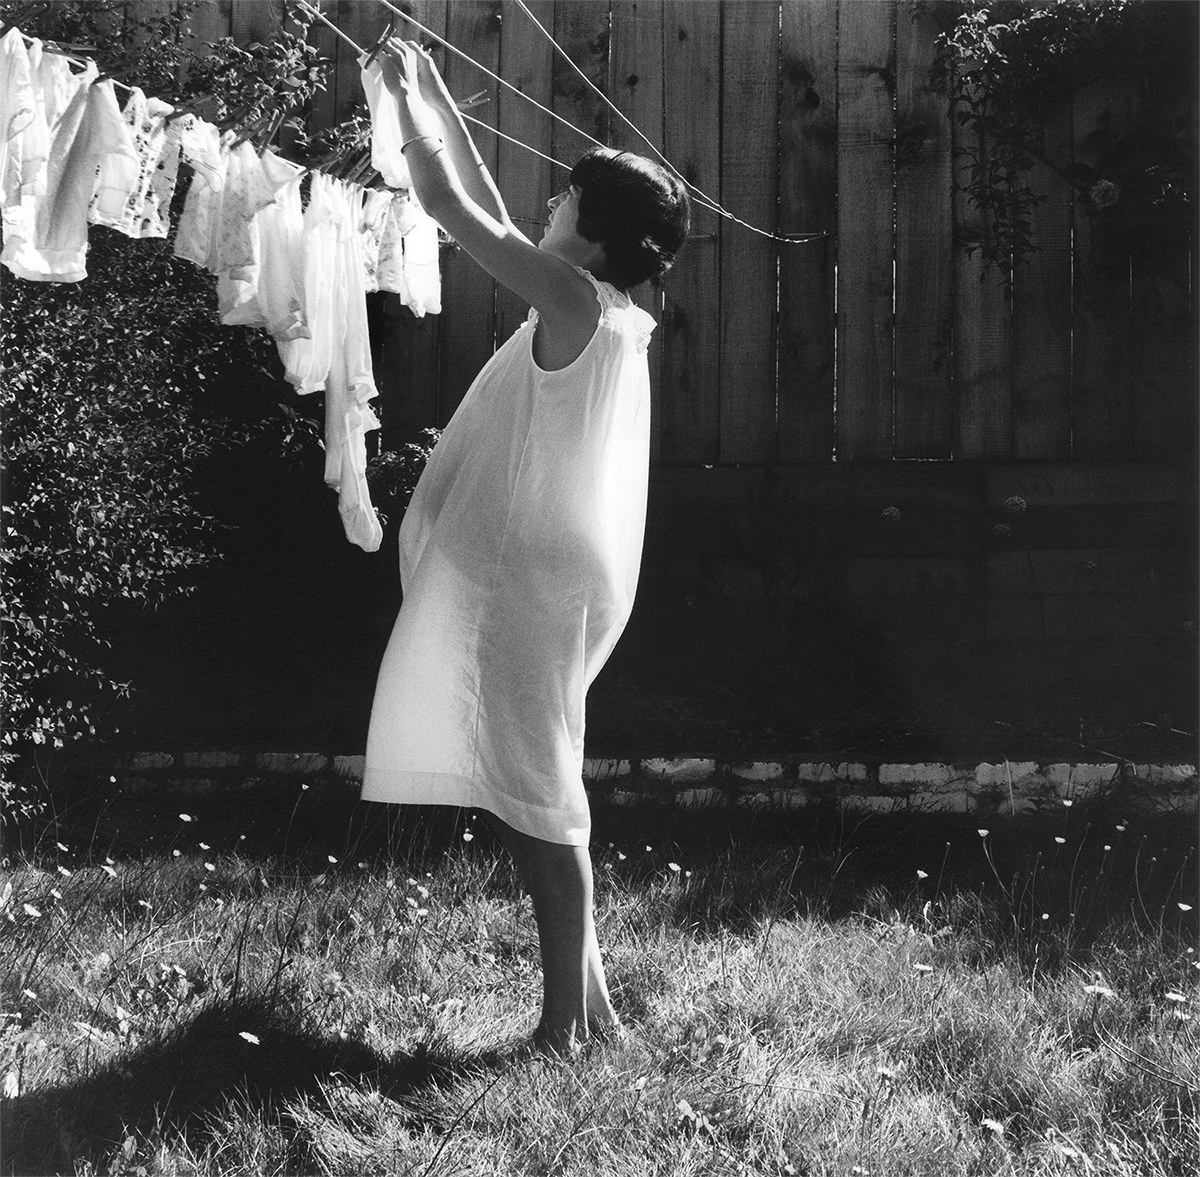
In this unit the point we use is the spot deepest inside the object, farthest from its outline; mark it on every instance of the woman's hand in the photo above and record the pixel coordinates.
(400, 61)
(433, 87)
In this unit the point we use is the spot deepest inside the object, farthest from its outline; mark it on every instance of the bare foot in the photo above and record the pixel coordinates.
(557, 1041)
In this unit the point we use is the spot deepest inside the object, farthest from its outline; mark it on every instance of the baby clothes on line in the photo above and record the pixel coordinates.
(214, 228)
(337, 354)
(269, 293)
(46, 235)
(201, 148)
(372, 222)
(143, 212)
(408, 256)
(306, 359)
(350, 384)
(24, 135)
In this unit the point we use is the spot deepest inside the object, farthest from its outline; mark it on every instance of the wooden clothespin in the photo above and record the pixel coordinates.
(379, 44)
(272, 130)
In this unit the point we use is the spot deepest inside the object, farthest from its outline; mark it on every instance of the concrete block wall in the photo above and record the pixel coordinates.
(1007, 787)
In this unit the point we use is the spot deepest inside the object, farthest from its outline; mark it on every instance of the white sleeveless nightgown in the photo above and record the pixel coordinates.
(519, 558)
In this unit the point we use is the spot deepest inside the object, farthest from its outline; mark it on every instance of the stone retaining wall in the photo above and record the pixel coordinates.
(1012, 787)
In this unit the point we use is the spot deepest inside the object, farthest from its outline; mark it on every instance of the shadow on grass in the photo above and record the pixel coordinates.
(181, 1082)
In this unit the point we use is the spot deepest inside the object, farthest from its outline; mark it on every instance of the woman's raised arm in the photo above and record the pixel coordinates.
(470, 209)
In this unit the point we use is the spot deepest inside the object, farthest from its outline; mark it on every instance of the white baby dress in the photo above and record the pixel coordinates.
(519, 557)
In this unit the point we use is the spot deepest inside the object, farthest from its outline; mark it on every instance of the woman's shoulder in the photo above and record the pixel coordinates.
(617, 308)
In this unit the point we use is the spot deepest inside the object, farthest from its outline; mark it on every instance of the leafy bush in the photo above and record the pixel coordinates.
(1012, 65)
(105, 383)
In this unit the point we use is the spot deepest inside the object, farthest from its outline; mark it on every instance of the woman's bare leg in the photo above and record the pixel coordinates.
(575, 998)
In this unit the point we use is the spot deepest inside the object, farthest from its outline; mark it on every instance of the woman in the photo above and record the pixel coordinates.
(519, 552)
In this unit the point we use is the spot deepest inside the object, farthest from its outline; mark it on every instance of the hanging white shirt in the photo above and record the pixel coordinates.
(49, 242)
(143, 212)
(269, 293)
(24, 135)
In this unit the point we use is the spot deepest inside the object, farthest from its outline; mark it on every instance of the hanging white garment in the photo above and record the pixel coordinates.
(519, 557)
(47, 240)
(408, 256)
(143, 212)
(337, 354)
(422, 278)
(218, 236)
(372, 223)
(24, 135)
(269, 293)
(386, 136)
(350, 384)
(201, 206)
(54, 86)
(306, 359)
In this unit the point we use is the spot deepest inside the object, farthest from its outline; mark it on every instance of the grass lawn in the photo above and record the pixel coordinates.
(299, 985)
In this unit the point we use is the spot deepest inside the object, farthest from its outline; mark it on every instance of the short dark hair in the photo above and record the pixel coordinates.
(636, 209)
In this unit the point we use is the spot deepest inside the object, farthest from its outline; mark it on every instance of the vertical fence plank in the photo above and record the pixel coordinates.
(866, 69)
(1164, 347)
(407, 370)
(691, 349)
(259, 21)
(526, 182)
(324, 104)
(982, 325)
(749, 161)
(636, 69)
(210, 20)
(362, 23)
(807, 204)
(581, 28)
(1041, 388)
(468, 292)
(924, 178)
(1102, 402)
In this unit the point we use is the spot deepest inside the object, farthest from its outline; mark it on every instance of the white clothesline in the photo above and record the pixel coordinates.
(700, 197)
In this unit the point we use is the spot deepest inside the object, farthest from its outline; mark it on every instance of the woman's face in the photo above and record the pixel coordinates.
(562, 230)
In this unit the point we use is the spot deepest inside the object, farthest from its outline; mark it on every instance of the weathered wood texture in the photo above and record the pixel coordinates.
(817, 116)
(794, 384)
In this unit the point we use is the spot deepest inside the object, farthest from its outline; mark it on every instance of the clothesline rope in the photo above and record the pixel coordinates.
(703, 200)
(360, 52)
(700, 197)
(494, 76)
(75, 60)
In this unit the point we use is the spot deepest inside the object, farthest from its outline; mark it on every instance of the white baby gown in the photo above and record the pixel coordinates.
(519, 558)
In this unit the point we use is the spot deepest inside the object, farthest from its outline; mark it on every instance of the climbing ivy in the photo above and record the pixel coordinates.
(1010, 66)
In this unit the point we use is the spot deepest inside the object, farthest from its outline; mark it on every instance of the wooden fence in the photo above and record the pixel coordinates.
(801, 389)
(884, 339)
